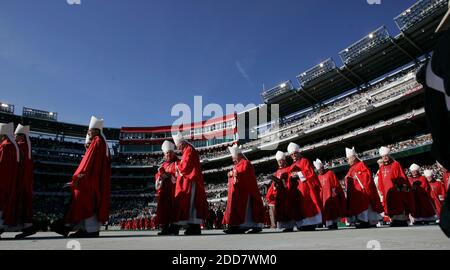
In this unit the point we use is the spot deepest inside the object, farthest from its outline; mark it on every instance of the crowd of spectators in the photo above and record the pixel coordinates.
(373, 153)
(340, 109)
(392, 87)
(341, 161)
(57, 144)
(136, 160)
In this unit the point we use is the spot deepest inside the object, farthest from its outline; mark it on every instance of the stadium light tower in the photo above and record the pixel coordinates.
(6, 108)
(278, 90)
(358, 49)
(408, 20)
(39, 114)
(315, 72)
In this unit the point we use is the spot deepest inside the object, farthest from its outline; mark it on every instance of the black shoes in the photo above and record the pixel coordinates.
(26, 232)
(84, 234)
(165, 230)
(1, 232)
(193, 229)
(235, 230)
(310, 228)
(255, 230)
(174, 229)
(59, 228)
(362, 225)
(288, 230)
(399, 223)
(333, 227)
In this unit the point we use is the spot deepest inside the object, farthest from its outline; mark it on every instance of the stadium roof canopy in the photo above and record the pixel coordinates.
(373, 56)
(54, 127)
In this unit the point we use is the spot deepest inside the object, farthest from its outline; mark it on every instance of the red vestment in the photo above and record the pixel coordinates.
(8, 181)
(241, 188)
(25, 185)
(361, 190)
(333, 198)
(92, 194)
(423, 204)
(306, 201)
(271, 195)
(437, 192)
(396, 190)
(281, 196)
(165, 194)
(189, 172)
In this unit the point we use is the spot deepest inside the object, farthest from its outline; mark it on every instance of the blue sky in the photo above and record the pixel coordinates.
(130, 61)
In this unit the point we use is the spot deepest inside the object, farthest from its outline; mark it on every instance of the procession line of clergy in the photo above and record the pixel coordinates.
(299, 200)
(180, 189)
(16, 180)
(90, 184)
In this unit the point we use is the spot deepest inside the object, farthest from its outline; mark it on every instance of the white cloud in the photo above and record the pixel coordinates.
(243, 72)
(74, 2)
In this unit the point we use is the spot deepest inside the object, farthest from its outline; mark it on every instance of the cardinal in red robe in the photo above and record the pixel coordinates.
(398, 200)
(363, 201)
(25, 183)
(437, 191)
(191, 205)
(9, 166)
(165, 188)
(307, 205)
(332, 195)
(245, 210)
(90, 188)
(281, 194)
(424, 211)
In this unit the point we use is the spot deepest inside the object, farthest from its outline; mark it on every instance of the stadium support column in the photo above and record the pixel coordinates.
(355, 75)
(403, 50)
(315, 101)
(410, 41)
(347, 78)
(304, 98)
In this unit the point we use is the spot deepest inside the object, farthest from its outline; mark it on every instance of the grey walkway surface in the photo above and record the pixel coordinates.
(428, 237)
